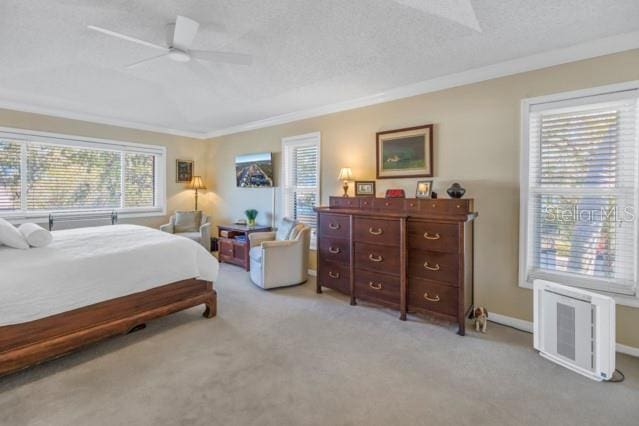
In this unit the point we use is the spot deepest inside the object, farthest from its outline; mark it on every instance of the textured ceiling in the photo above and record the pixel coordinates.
(307, 53)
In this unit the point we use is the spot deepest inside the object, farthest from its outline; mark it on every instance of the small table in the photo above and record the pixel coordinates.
(236, 251)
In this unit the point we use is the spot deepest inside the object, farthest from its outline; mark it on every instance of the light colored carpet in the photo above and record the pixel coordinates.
(291, 357)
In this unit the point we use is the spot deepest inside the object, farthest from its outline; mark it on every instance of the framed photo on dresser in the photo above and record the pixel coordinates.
(405, 153)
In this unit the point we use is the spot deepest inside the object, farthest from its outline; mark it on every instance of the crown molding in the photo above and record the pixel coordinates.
(92, 118)
(591, 49)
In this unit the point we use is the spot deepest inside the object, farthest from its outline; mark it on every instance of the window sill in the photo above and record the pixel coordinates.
(620, 299)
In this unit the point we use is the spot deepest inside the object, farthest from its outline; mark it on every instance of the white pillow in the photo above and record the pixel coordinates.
(35, 235)
(10, 236)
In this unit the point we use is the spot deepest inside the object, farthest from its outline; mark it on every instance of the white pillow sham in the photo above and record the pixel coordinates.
(10, 236)
(35, 235)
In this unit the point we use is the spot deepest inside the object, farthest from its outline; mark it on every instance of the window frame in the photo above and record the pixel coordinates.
(302, 140)
(525, 227)
(58, 139)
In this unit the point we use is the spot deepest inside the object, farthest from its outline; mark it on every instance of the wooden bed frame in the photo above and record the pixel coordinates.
(26, 344)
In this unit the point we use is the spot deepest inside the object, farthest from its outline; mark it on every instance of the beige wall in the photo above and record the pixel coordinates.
(476, 143)
(178, 197)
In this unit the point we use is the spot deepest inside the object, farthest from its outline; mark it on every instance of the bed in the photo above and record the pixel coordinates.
(93, 283)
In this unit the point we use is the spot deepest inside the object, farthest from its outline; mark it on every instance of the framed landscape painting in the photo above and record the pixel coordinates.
(183, 171)
(405, 153)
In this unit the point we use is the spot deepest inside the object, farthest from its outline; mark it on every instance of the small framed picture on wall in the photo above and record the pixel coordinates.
(183, 171)
(364, 188)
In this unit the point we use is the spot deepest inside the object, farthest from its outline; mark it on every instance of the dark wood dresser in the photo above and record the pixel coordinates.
(413, 255)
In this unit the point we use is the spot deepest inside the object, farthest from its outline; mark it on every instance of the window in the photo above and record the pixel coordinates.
(302, 179)
(42, 173)
(579, 190)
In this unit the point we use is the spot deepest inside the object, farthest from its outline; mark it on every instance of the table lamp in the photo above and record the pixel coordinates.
(345, 174)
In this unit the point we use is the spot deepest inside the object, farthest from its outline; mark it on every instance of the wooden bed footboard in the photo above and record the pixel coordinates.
(26, 344)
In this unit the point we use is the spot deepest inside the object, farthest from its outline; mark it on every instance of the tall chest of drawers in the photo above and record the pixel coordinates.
(413, 255)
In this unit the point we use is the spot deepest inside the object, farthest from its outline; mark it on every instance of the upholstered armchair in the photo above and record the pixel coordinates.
(280, 259)
(190, 224)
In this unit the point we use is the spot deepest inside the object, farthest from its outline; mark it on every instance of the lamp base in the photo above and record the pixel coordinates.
(345, 188)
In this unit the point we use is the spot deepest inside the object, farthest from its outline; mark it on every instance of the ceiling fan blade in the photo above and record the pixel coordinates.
(126, 37)
(143, 61)
(184, 32)
(224, 57)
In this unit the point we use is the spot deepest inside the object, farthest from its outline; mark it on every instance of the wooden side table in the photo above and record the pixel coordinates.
(233, 250)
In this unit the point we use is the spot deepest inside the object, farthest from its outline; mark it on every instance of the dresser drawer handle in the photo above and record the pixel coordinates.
(375, 286)
(431, 299)
(375, 258)
(387, 204)
(334, 275)
(431, 268)
(377, 231)
(432, 236)
(333, 225)
(334, 250)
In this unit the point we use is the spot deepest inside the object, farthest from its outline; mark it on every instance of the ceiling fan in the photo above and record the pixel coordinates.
(180, 36)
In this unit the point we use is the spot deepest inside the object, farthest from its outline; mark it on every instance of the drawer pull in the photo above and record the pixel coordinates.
(334, 275)
(387, 204)
(431, 268)
(375, 258)
(432, 237)
(377, 231)
(431, 299)
(334, 250)
(375, 286)
(333, 225)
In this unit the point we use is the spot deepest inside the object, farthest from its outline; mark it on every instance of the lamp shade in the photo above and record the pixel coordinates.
(345, 174)
(197, 183)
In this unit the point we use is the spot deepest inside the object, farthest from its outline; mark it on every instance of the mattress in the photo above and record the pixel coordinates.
(91, 265)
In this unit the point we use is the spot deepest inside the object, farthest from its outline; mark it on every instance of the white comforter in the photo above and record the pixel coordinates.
(90, 265)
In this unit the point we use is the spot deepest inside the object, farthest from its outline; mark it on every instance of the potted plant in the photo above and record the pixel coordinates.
(251, 214)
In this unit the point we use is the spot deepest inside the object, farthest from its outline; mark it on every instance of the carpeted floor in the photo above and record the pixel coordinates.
(291, 357)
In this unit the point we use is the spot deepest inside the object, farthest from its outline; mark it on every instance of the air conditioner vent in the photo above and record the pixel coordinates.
(566, 331)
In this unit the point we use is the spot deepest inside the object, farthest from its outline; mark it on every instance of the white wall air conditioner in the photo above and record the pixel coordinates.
(575, 328)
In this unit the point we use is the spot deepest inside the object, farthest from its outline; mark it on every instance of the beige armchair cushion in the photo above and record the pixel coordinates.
(187, 221)
(284, 229)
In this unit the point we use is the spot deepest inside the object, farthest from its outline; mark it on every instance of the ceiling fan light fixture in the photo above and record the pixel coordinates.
(179, 55)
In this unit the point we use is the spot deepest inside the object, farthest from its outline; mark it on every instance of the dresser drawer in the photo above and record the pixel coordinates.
(366, 202)
(334, 225)
(376, 231)
(432, 296)
(335, 249)
(375, 286)
(379, 258)
(433, 236)
(412, 205)
(433, 265)
(389, 204)
(344, 202)
(336, 276)
(435, 206)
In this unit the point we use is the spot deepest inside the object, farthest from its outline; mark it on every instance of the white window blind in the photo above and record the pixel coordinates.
(9, 175)
(41, 174)
(581, 191)
(302, 179)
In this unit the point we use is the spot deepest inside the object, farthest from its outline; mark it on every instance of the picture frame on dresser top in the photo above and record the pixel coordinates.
(404, 153)
(364, 188)
(412, 255)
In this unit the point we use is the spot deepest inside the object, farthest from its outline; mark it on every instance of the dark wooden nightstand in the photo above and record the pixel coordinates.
(233, 250)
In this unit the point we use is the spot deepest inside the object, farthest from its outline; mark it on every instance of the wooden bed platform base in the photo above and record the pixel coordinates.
(26, 344)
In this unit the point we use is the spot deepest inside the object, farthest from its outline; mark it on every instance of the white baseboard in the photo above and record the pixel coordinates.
(312, 272)
(527, 326)
(517, 323)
